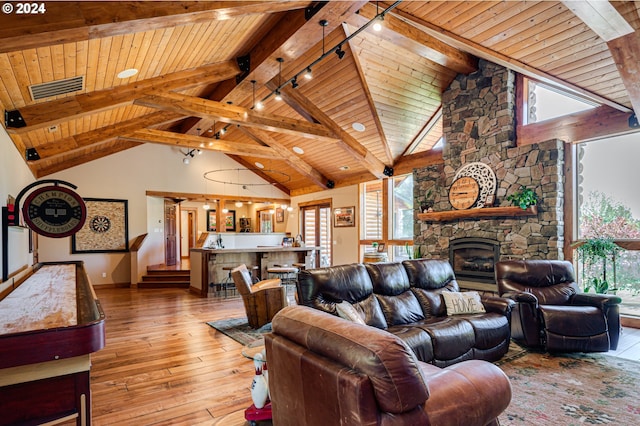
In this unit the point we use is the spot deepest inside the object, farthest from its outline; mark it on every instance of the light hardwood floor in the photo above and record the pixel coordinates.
(163, 365)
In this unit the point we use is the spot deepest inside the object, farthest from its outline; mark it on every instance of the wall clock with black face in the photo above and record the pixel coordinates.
(464, 193)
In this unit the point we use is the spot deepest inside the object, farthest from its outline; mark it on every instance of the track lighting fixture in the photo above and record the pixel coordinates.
(378, 26)
(308, 74)
(253, 84)
(306, 71)
(189, 155)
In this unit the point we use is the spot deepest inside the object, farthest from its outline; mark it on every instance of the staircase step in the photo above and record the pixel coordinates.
(164, 277)
(168, 272)
(163, 284)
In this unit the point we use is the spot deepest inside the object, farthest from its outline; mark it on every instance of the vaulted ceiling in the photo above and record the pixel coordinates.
(375, 108)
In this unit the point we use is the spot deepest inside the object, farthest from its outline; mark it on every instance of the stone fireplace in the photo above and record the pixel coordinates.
(479, 119)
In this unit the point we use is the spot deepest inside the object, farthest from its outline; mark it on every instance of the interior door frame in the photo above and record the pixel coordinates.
(317, 205)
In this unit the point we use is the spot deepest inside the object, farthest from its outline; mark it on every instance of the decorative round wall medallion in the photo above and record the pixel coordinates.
(464, 193)
(54, 211)
(484, 176)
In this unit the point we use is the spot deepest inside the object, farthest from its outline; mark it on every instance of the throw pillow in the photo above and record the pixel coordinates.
(348, 312)
(467, 302)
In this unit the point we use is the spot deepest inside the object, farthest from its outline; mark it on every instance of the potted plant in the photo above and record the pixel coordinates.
(523, 198)
(416, 253)
(427, 204)
(594, 254)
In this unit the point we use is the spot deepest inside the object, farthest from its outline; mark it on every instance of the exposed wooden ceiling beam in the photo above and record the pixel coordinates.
(370, 102)
(579, 127)
(407, 163)
(625, 51)
(66, 22)
(191, 105)
(500, 59)
(346, 142)
(601, 17)
(80, 157)
(290, 38)
(407, 36)
(293, 160)
(198, 142)
(53, 112)
(202, 197)
(61, 147)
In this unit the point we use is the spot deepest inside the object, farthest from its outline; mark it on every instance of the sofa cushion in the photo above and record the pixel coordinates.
(466, 302)
(429, 273)
(389, 278)
(416, 338)
(390, 365)
(490, 329)
(319, 287)
(401, 309)
(453, 338)
(431, 301)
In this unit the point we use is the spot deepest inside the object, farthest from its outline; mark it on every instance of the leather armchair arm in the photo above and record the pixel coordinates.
(270, 283)
(499, 305)
(522, 297)
(601, 301)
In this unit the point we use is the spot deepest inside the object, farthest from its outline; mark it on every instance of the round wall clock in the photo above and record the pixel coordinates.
(54, 211)
(485, 177)
(464, 193)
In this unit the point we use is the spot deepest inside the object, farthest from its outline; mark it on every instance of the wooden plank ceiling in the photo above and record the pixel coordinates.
(377, 107)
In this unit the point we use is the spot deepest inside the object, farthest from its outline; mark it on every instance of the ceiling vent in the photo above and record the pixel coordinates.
(56, 88)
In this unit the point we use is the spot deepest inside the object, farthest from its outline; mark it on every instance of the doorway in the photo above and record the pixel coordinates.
(188, 230)
(316, 230)
(170, 242)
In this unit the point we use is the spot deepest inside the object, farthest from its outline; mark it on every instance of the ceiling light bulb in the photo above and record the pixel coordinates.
(185, 160)
(289, 209)
(278, 95)
(225, 210)
(272, 211)
(223, 131)
(206, 206)
(238, 203)
(199, 152)
(259, 105)
(283, 206)
(377, 26)
(308, 74)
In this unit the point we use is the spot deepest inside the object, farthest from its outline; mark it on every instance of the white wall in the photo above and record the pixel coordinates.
(14, 176)
(128, 175)
(345, 240)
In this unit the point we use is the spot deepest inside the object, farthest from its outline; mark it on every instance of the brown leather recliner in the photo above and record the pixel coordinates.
(324, 370)
(262, 300)
(552, 313)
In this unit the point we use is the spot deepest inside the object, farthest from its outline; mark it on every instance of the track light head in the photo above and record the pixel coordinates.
(278, 95)
(259, 105)
(340, 52)
(223, 131)
(294, 83)
(185, 160)
(308, 74)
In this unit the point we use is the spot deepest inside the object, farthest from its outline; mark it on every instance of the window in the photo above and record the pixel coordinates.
(386, 209)
(609, 209)
(545, 102)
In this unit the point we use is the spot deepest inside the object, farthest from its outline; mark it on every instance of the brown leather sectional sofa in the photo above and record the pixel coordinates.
(405, 300)
(324, 370)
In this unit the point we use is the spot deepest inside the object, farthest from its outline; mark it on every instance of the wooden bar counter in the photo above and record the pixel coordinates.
(207, 264)
(49, 326)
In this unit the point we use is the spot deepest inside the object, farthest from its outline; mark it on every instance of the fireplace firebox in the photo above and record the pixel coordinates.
(474, 259)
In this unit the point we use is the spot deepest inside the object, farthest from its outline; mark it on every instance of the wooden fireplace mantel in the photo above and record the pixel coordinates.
(509, 211)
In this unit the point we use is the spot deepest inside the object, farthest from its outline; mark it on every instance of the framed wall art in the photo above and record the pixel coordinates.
(344, 217)
(106, 228)
(279, 215)
(211, 221)
(230, 221)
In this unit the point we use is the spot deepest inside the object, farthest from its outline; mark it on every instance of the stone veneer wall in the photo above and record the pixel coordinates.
(479, 125)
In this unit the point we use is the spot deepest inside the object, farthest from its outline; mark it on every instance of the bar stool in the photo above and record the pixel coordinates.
(254, 273)
(228, 284)
(287, 275)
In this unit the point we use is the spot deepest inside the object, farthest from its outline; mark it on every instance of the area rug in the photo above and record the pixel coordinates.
(238, 329)
(572, 389)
